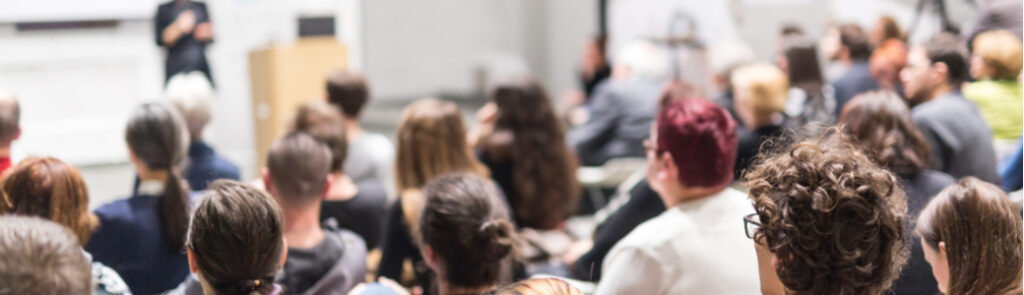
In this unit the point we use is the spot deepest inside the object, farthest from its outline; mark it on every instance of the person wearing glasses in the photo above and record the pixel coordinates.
(828, 220)
(696, 245)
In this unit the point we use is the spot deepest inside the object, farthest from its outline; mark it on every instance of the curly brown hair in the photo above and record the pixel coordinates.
(833, 219)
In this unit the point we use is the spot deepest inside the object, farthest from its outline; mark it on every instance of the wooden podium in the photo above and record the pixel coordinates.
(284, 77)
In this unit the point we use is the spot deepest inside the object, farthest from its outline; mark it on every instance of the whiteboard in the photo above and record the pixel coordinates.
(75, 10)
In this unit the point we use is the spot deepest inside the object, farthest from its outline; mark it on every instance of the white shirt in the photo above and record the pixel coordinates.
(697, 247)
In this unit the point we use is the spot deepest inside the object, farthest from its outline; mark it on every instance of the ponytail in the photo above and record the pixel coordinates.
(157, 136)
(174, 206)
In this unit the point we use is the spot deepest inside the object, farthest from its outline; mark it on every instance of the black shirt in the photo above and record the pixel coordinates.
(916, 277)
(362, 214)
(644, 204)
(397, 246)
(304, 267)
(187, 54)
(749, 145)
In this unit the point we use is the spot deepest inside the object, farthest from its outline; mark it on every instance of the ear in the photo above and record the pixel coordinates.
(942, 70)
(942, 248)
(268, 181)
(284, 256)
(430, 257)
(667, 168)
(192, 265)
(327, 186)
(17, 134)
(775, 261)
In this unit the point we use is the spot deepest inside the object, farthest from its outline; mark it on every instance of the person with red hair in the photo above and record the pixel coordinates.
(886, 63)
(690, 158)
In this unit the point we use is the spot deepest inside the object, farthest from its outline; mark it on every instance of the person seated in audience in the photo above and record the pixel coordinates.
(520, 142)
(321, 257)
(971, 235)
(886, 63)
(585, 257)
(623, 108)
(881, 124)
(761, 94)
(828, 221)
(538, 286)
(691, 248)
(10, 127)
(41, 257)
(960, 140)
(807, 102)
(371, 156)
(853, 51)
(236, 242)
(724, 58)
(191, 94)
(466, 234)
(141, 237)
(54, 190)
(357, 206)
(431, 142)
(996, 64)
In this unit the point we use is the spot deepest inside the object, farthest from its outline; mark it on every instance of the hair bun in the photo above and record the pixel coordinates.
(496, 235)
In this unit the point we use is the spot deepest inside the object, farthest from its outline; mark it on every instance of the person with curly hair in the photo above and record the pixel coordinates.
(828, 221)
(694, 246)
(971, 236)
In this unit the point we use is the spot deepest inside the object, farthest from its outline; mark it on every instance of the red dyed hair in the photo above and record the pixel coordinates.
(701, 137)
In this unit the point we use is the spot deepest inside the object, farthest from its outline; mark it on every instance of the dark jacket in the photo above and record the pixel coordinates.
(916, 277)
(856, 80)
(644, 204)
(187, 54)
(205, 166)
(961, 142)
(348, 272)
(620, 116)
(130, 240)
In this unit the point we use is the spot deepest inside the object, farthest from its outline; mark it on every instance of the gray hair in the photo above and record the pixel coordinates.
(41, 257)
(644, 59)
(191, 94)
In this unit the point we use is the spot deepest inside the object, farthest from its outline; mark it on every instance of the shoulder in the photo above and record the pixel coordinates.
(655, 232)
(118, 210)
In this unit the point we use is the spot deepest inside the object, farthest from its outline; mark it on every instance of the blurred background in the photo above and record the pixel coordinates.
(79, 66)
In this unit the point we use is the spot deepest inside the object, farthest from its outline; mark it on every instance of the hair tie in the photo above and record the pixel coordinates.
(249, 285)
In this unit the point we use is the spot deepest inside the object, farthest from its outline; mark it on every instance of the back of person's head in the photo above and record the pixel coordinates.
(701, 138)
(832, 218)
(761, 90)
(791, 29)
(529, 136)
(886, 28)
(298, 166)
(888, 59)
(980, 231)
(466, 228)
(191, 93)
(236, 239)
(157, 138)
(801, 56)
(51, 189)
(880, 122)
(726, 56)
(10, 117)
(432, 141)
(950, 50)
(41, 257)
(325, 123)
(643, 59)
(538, 286)
(855, 41)
(998, 55)
(348, 91)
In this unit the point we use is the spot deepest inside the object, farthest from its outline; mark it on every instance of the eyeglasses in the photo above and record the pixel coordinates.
(750, 224)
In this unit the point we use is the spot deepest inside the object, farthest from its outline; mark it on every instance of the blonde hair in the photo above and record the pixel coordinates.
(431, 142)
(539, 286)
(1001, 53)
(763, 88)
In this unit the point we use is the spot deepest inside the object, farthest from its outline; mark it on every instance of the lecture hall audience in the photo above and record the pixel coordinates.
(996, 65)
(371, 156)
(191, 94)
(852, 51)
(761, 94)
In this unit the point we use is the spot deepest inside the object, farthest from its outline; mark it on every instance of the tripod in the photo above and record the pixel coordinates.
(939, 7)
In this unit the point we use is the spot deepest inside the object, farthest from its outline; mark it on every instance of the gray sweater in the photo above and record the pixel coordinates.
(961, 142)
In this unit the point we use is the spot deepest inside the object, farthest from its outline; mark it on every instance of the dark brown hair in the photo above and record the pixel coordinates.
(890, 28)
(348, 91)
(982, 232)
(157, 136)
(237, 238)
(467, 226)
(10, 116)
(432, 141)
(51, 189)
(41, 257)
(537, 286)
(326, 124)
(529, 137)
(853, 38)
(833, 218)
(880, 122)
(298, 166)
(802, 65)
(950, 50)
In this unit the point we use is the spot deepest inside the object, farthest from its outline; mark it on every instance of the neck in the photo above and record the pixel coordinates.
(342, 188)
(939, 91)
(352, 129)
(302, 225)
(685, 195)
(145, 174)
(5, 151)
(445, 289)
